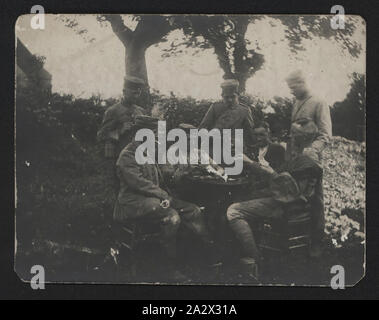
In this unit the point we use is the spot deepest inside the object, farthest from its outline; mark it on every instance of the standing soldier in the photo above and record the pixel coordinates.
(115, 129)
(230, 113)
(309, 107)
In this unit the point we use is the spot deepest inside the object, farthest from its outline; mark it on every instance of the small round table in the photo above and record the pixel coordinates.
(215, 195)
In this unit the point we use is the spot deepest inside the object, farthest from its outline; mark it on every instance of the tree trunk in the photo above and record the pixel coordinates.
(150, 30)
(242, 82)
(135, 65)
(135, 61)
(240, 52)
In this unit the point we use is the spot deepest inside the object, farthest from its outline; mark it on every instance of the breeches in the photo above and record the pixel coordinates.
(179, 212)
(241, 214)
(253, 209)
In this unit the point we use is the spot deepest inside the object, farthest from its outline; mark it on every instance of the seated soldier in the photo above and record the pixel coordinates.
(296, 184)
(142, 195)
(267, 155)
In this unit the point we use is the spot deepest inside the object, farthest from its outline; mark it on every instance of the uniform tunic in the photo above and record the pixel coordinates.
(141, 190)
(220, 116)
(138, 183)
(317, 111)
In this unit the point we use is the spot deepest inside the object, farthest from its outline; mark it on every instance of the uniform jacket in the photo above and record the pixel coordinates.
(221, 116)
(317, 111)
(137, 182)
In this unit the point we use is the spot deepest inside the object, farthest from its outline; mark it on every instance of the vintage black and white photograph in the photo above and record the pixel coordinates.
(190, 149)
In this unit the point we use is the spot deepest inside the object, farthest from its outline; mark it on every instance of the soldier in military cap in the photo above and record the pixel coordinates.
(143, 194)
(230, 113)
(310, 108)
(115, 130)
(292, 188)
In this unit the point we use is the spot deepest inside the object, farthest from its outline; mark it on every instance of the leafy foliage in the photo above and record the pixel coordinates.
(349, 115)
(344, 190)
(61, 176)
(226, 35)
(180, 110)
(308, 26)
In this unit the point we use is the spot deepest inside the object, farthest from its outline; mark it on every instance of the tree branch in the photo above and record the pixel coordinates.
(119, 28)
(151, 29)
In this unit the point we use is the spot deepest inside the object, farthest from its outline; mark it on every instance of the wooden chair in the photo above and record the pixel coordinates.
(128, 237)
(289, 234)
